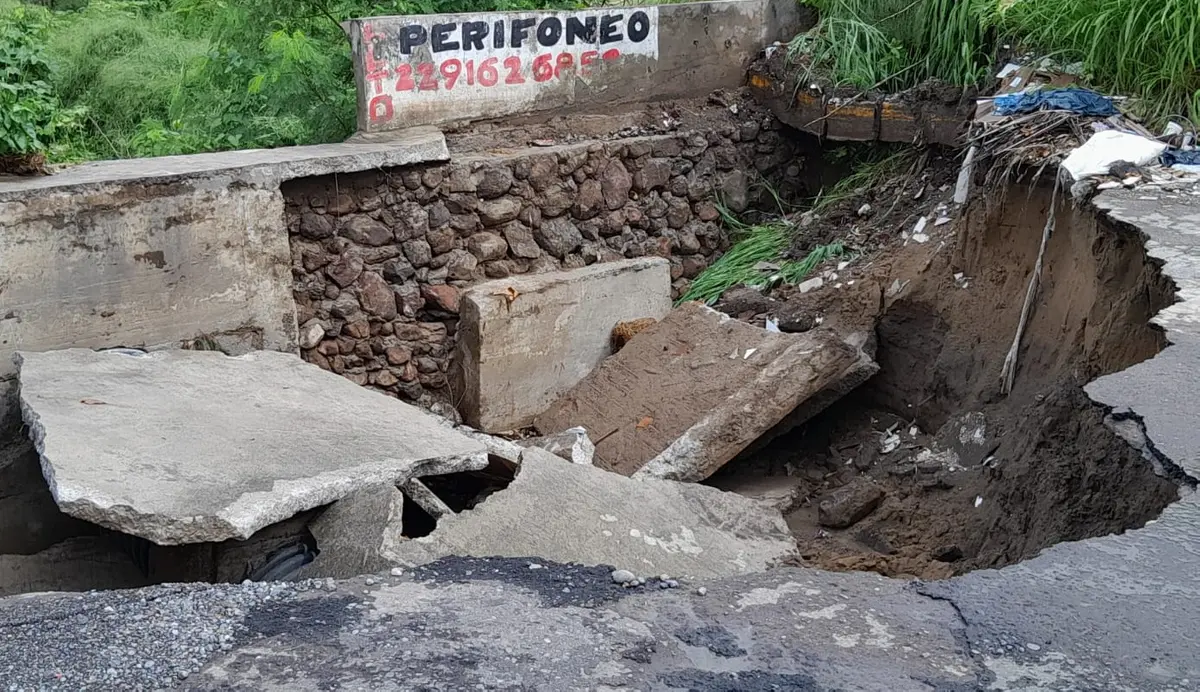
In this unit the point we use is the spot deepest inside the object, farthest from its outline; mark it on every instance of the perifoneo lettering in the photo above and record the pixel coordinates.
(548, 32)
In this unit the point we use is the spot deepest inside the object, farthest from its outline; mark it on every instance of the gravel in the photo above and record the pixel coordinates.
(108, 640)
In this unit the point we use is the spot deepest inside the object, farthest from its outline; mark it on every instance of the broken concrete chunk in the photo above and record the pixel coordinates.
(849, 504)
(524, 341)
(696, 389)
(576, 513)
(356, 534)
(420, 493)
(195, 446)
(782, 493)
(572, 445)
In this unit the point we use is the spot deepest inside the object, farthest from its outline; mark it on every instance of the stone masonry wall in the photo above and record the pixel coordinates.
(379, 258)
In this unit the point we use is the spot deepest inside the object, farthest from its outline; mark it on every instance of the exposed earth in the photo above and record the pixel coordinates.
(962, 476)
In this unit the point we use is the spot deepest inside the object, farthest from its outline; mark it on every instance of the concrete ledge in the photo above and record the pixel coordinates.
(265, 167)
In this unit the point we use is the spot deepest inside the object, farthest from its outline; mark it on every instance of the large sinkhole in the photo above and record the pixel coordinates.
(936, 470)
(933, 469)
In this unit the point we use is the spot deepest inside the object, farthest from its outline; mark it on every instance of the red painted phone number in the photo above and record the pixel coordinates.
(486, 73)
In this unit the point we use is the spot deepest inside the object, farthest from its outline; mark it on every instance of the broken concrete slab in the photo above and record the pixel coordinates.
(420, 493)
(357, 534)
(690, 393)
(863, 369)
(650, 526)
(524, 341)
(196, 446)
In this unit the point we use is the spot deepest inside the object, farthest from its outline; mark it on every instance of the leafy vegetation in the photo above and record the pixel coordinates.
(894, 44)
(157, 77)
(29, 112)
(1144, 48)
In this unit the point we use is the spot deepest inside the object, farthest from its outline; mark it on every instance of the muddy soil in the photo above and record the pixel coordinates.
(973, 478)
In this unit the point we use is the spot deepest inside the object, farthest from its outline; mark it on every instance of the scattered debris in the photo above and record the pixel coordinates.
(572, 444)
(1103, 149)
(623, 576)
(624, 331)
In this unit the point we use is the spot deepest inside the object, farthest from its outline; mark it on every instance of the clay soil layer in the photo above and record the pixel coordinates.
(972, 478)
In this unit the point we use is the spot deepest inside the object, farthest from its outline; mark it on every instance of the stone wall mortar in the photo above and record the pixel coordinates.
(379, 258)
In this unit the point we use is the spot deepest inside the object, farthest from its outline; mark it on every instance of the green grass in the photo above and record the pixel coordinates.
(894, 44)
(872, 164)
(755, 244)
(1144, 48)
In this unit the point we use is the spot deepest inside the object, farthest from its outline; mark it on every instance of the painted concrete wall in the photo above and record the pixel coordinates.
(159, 252)
(435, 69)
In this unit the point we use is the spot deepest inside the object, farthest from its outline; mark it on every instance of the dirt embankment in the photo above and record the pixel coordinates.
(973, 478)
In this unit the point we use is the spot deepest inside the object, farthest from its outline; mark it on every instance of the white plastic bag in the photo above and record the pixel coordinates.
(1106, 148)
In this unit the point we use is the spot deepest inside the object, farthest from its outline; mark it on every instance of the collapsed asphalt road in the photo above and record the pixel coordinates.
(1109, 613)
(467, 623)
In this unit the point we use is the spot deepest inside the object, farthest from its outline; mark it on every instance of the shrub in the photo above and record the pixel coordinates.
(27, 103)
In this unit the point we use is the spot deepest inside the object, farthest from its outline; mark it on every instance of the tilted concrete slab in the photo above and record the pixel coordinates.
(688, 394)
(526, 340)
(567, 512)
(196, 446)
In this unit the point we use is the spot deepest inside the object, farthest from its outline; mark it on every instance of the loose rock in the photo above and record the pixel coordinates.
(850, 504)
(622, 576)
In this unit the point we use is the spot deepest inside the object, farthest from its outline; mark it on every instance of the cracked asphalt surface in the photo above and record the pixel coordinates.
(1112, 613)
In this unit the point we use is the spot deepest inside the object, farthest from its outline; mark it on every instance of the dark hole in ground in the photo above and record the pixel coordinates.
(928, 470)
(416, 521)
(465, 490)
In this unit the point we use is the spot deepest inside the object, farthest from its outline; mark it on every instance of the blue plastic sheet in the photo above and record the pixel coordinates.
(1081, 101)
(1173, 156)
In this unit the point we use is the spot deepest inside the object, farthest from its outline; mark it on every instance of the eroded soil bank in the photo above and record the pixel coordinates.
(971, 478)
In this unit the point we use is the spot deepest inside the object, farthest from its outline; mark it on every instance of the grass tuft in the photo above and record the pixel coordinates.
(753, 246)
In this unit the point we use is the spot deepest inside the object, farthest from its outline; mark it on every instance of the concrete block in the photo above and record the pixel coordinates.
(850, 504)
(784, 493)
(574, 513)
(195, 446)
(692, 392)
(356, 534)
(526, 340)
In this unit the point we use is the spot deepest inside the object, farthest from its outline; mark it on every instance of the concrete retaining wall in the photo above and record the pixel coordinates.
(161, 252)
